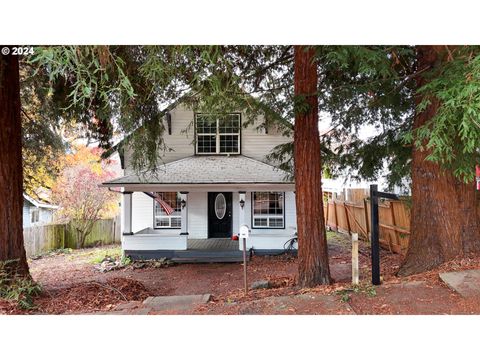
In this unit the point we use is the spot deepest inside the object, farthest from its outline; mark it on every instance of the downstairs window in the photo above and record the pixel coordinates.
(268, 210)
(167, 210)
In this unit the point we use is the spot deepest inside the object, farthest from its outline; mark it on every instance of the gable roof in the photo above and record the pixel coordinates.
(120, 145)
(39, 204)
(233, 169)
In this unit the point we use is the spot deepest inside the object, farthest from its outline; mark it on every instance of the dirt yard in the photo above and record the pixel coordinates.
(71, 283)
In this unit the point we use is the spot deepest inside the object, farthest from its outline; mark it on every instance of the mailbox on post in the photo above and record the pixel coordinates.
(244, 233)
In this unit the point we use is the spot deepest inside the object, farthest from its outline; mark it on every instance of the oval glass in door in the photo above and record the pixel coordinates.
(220, 206)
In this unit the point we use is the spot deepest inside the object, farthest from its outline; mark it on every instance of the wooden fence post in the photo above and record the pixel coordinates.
(336, 216)
(397, 237)
(326, 217)
(355, 273)
(348, 220)
(114, 225)
(367, 224)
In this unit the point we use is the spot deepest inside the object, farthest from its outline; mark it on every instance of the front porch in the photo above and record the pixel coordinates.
(190, 209)
(213, 250)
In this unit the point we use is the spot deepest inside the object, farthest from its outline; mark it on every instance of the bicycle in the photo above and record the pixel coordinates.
(289, 246)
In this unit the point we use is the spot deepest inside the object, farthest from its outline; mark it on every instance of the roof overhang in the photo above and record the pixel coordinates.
(204, 187)
(38, 203)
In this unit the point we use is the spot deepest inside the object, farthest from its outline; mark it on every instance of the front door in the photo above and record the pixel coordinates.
(219, 214)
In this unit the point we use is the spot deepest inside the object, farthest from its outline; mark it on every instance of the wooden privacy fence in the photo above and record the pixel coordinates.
(41, 239)
(394, 221)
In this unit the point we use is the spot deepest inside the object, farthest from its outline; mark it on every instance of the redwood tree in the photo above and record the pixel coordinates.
(313, 266)
(11, 177)
(444, 222)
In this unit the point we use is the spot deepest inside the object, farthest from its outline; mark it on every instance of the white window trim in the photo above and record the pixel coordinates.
(268, 216)
(217, 137)
(169, 217)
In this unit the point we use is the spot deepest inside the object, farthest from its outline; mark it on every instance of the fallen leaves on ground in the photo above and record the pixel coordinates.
(9, 308)
(73, 283)
(92, 296)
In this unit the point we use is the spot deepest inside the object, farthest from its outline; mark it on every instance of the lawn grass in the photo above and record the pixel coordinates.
(96, 255)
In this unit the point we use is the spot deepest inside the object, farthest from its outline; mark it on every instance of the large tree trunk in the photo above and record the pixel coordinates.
(444, 222)
(312, 239)
(11, 177)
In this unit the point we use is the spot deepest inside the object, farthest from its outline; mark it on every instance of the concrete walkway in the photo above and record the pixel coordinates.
(184, 304)
(466, 283)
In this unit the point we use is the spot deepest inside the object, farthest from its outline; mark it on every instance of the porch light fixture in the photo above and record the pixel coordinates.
(183, 203)
(242, 203)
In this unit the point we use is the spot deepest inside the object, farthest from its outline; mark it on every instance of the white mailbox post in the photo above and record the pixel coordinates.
(244, 233)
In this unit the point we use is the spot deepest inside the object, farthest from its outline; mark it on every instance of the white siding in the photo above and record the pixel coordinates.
(46, 216)
(254, 143)
(235, 213)
(26, 214)
(154, 242)
(181, 140)
(197, 215)
(142, 212)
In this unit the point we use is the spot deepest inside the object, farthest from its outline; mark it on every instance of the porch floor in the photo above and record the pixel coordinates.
(213, 244)
(209, 251)
(215, 250)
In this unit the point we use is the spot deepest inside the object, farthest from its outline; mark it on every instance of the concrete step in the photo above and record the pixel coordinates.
(178, 304)
(175, 303)
(207, 253)
(208, 259)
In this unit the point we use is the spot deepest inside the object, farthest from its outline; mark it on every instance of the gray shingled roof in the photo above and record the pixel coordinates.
(236, 169)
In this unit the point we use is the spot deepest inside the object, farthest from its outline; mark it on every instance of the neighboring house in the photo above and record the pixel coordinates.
(345, 189)
(36, 212)
(215, 179)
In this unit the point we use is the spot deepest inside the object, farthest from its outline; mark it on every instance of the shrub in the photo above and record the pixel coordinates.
(18, 289)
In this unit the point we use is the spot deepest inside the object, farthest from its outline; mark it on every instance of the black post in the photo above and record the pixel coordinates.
(374, 235)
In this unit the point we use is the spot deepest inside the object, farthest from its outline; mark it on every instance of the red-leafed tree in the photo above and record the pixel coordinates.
(80, 199)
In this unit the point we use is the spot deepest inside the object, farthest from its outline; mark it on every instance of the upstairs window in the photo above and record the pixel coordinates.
(217, 135)
(167, 210)
(268, 210)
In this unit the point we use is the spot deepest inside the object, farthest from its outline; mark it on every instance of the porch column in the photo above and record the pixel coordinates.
(184, 212)
(241, 209)
(127, 213)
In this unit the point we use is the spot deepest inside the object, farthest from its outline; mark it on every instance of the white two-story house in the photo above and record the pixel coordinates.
(215, 180)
